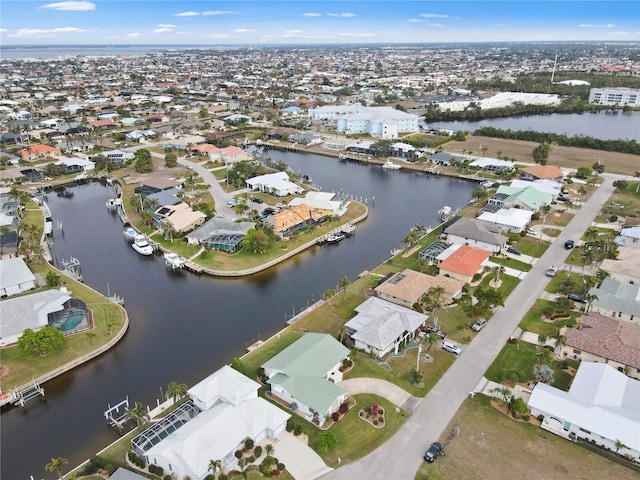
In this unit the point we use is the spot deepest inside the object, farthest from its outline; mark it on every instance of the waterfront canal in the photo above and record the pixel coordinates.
(183, 326)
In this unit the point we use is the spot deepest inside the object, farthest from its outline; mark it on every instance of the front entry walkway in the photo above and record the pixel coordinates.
(388, 390)
(299, 459)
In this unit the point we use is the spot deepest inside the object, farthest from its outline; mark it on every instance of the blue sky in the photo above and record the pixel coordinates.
(29, 22)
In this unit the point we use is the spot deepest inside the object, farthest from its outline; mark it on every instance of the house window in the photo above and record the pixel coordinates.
(585, 431)
(577, 352)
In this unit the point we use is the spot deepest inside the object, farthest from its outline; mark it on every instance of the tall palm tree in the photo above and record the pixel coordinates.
(215, 466)
(343, 283)
(55, 465)
(138, 413)
(176, 391)
(269, 450)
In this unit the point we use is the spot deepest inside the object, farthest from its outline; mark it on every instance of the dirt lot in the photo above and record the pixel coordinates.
(491, 445)
(622, 163)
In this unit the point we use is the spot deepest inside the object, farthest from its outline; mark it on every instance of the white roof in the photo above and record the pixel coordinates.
(225, 384)
(600, 400)
(13, 271)
(510, 217)
(317, 200)
(483, 162)
(542, 185)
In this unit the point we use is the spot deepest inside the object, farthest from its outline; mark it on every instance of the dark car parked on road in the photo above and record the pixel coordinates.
(435, 450)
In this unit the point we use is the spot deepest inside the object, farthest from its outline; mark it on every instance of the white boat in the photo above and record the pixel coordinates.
(113, 202)
(130, 233)
(141, 245)
(348, 229)
(336, 237)
(389, 165)
(173, 260)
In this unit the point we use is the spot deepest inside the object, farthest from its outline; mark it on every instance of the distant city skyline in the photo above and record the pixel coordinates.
(148, 22)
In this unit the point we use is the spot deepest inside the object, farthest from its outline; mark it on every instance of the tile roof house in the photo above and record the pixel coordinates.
(296, 218)
(305, 375)
(407, 288)
(225, 409)
(538, 172)
(470, 231)
(601, 406)
(34, 152)
(598, 338)
(617, 299)
(181, 217)
(464, 263)
(382, 327)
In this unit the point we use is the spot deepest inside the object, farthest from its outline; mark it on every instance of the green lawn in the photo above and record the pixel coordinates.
(533, 322)
(512, 263)
(178, 246)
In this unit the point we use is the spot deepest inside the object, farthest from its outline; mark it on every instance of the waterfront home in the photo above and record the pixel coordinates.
(407, 288)
(507, 220)
(75, 165)
(224, 410)
(464, 263)
(382, 327)
(470, 231)
(306, 138)
(220, 234)
(180, 217)
(548, 186)
(297, 218)
(617, 299)
(304, 375)
(528, 198)
(492, 164)
(599, 338)
(601, 406)
(118, 157)
(277, 184)
(336, 203)
(15, 277)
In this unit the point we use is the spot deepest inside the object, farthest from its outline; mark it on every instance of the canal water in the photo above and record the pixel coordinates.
(183, 326)
(605, 125)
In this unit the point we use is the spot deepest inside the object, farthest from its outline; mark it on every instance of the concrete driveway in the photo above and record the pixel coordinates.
(387, 390)
(299, 459)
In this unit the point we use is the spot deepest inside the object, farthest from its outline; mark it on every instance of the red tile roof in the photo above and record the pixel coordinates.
(466, 260)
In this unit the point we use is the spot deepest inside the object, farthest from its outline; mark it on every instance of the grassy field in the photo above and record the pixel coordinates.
(491, 445)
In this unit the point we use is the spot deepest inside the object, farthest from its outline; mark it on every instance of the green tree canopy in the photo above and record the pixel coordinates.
(143, 161)
(170, 160)
(44, 341)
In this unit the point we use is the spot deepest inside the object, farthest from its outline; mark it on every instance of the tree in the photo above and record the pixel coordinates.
(544, 356)
(598, 167)
(542, 339)
(328, 294)
(53, 279)
(269, 450)
(543, 373)
(479, 193)
(143, 161)
(583, 172)
(343, 283)
(620, 445)
(139, 414)
(621, 184)
(176, 391)
(518, 406)
(170, 160)
(215, 466)
(415, 376)
(327, 441)
(541, 153)
(433, 301)
(55, 465)
(44, 341)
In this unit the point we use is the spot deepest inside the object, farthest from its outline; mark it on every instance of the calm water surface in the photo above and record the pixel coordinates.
(183, 326)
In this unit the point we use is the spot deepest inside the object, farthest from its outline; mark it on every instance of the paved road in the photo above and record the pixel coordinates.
(401, 456)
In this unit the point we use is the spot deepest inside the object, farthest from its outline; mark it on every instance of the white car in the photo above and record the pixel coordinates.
(451, 347)
(479, 325)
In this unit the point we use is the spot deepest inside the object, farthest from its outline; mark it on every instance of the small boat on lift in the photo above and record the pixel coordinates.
(348, 229)
(130, 233)
(336, 237)
(389, 165)
(141, 245)
(173, 260)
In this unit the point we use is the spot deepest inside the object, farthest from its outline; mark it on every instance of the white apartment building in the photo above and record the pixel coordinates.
(615, 96)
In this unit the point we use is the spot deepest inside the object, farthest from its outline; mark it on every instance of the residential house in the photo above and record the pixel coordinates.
(103, 124)
(542, 172)
(508, 220)
(444, 158)
(476, 233)
(404, 151)
(281, 133)
(220, 234)
(181, 217)
(296, 218)
(234, 154)
(547, 186)
(223, 411)
(492, 165)
(305, 375)
(598, 338)
(382, 327)
(617, 299)
(277, 184)
(118, 157)
(75, 165)
(407, 288)
(464, 263)
(629, 237)
(37, 152)
(529, 198)
(601, 406)
(625, 268)
(15, 277)
(306, 138)
(336, 203)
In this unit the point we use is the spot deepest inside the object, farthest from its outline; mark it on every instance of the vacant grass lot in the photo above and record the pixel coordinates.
(493, 446)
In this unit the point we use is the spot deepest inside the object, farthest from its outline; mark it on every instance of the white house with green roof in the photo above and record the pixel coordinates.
(305, 375)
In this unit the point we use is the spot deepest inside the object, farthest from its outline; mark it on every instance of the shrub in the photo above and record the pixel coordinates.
(168, 477)
(238, 454)
(290, 425)
(275, 472)
(248, 444)
(374, 408)
(380, 411)
(343, 408)
(526, 418)
(89, 469)
(251, 459)
(335, 416)
(375, 422)
(564, 364)
(257, 451)
(281, 466)
(297, 429)
(613, 218)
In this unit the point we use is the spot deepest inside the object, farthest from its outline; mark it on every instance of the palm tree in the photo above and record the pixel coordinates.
(429, 340)
(215, 466)
(343, 283)
(433, 301)
(176, 391)
(591, 233)
(269, 450)
(55, 465)
(590, 298)
(344, 330)
(138, 413)
(619, 446)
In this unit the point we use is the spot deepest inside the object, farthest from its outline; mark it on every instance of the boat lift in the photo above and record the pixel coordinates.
(71, 268)
(113, 415)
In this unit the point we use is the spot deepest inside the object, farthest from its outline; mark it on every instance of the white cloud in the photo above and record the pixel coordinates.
(134, 35)
(291, 32)
(434, 15)
(163, 30)
(243, 30)
(415, 20)
(38, 32)
(619, 34)
(71, 6)
(591, 25)
(187, 14)
(219, 35)
(435, 25)
(217, 12)
(359, 35)
(166, 25)
(344, 15)
(2, 30)
(311, 14)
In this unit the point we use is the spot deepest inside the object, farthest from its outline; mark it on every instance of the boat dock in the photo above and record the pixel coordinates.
(21, 395)
(113, 415)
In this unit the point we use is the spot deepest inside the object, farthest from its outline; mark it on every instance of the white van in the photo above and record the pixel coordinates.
(451, 347)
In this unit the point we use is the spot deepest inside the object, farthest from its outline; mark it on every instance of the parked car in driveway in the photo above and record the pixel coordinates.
(435, 450)
(479, 325)
(451, 347)
(551, 271)
(514, 250)
(257, 200)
